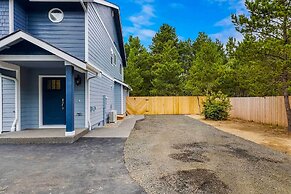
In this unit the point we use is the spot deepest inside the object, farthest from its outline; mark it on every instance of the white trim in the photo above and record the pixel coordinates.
(11, 16)
(86, 36)
(8, 66)
(89, 103)
(102, 2)
(44, 45)
(30, 58)
(69, 134)
(12, 67)
(40, 102)
(57, 20)
(112, 42)
(108, 76)
(86, 102)
(1, 108)
(122, 104)
(123, 84)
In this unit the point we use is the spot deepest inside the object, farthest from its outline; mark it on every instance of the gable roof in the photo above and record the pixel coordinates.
(19, 35)
(116, 17)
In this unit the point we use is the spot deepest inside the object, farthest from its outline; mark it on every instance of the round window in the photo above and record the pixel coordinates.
(56, 15)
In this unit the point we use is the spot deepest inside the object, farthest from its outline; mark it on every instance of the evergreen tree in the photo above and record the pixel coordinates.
(137, 70)
(208, 67)
(165, 33)
(270, 24)
(167, 70)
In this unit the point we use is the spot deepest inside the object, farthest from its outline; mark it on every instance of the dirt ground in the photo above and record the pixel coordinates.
(177, 154)
(274, 137)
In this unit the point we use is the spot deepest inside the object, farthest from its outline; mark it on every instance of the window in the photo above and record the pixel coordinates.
(121, 69)
(56, 15)
(115, 59)
(54, 85)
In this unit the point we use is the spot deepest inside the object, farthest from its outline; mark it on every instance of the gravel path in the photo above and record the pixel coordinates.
(177, 154)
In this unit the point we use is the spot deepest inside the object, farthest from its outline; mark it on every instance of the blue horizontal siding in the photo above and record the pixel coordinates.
(68, 35)
(117, 97)
(100, 45)
(125, 95)
(8, 104)
(30, 96)
(109, 21)
(4, 17)
(20, 15)
(98, 88)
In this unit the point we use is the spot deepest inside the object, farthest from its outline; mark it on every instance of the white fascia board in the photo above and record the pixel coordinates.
(44, 45)
(30, 58)
(102, 2)
(11, 16)
(123, 84)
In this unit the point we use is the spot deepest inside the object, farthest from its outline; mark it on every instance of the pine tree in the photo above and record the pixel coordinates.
(167, 70)
(137, 70)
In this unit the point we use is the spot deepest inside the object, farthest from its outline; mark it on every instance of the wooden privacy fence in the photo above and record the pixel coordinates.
(164, 105)
(268, 110)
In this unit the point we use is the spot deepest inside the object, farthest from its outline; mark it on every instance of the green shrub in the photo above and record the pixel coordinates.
(216, 107)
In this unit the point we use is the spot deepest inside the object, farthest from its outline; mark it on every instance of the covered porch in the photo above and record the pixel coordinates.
(48, 88)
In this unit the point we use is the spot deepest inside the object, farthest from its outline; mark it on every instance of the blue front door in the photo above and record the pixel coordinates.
(54, 104)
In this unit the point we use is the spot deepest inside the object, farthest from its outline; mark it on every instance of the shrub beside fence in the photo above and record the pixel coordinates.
(268, 110)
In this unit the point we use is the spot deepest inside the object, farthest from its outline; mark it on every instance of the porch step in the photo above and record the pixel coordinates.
(41, 137)
(121, 117)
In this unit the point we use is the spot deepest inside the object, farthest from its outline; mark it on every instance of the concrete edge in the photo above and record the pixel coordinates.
(43, 140)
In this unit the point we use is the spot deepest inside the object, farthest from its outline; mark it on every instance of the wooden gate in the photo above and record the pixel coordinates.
(173, 105)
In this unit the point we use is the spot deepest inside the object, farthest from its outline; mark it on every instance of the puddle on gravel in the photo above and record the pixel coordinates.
(195, 181)
(192, 152)
(242, 153)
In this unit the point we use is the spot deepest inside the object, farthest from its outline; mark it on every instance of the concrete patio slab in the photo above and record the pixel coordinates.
(121, 129)
(41, 136)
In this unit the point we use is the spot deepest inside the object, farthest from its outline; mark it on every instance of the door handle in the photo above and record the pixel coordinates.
(63, 104)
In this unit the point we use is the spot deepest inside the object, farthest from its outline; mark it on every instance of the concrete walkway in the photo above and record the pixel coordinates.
(120, 130)
(40, 136)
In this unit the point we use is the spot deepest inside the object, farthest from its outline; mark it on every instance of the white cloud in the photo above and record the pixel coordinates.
(142, 21)
(144, 17)
(143, 33)
(226, 33)
(228, 30)
(224, 22)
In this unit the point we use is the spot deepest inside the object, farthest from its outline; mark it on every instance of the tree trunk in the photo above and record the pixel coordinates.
(286, 98)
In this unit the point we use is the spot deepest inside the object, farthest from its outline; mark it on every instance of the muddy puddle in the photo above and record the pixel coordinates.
(195, 181)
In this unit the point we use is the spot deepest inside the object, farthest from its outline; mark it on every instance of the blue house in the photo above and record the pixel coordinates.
(61, 64)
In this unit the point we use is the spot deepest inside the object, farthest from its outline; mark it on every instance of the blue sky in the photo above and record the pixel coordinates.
(144, 17)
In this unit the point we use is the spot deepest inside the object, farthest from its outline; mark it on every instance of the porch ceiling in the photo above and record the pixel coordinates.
(39, 64)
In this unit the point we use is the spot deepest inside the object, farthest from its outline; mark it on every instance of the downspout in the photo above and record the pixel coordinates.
(89, 119)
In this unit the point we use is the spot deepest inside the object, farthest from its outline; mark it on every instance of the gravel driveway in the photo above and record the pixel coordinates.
(87, 166)
(177, 154)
